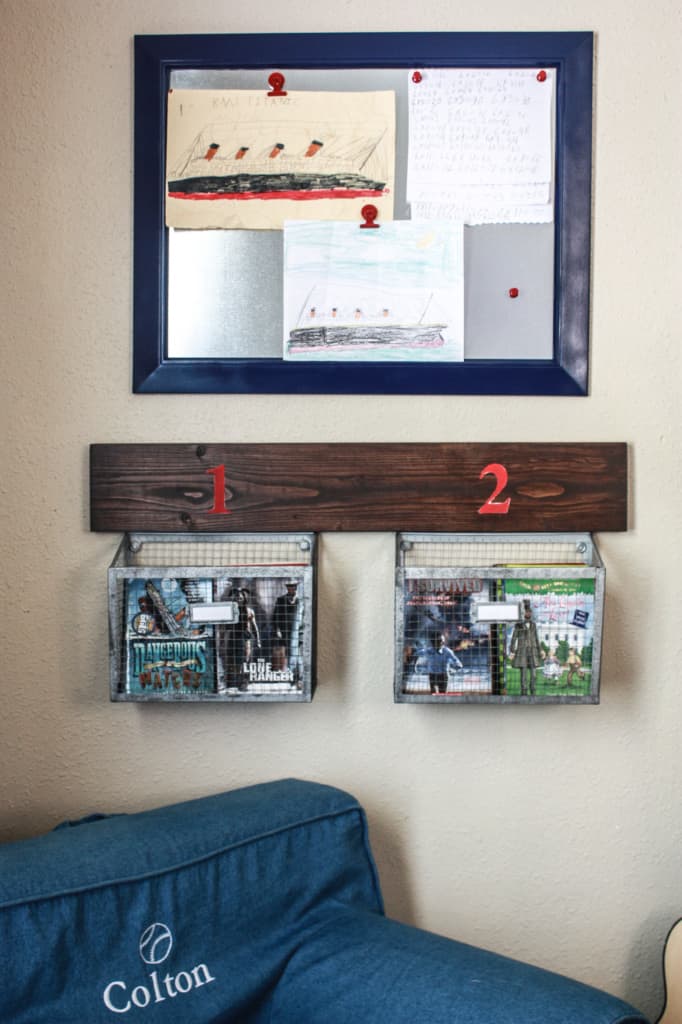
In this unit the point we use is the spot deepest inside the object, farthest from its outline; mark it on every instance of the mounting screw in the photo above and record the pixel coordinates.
(304, 545)
(406, 545)
(134, 546)
(581, 548)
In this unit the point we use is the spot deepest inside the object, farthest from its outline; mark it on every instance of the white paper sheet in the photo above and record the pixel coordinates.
(481, 144)
(391, 293)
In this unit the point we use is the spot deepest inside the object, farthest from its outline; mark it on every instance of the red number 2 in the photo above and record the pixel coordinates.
(219, 507)
(492, 507)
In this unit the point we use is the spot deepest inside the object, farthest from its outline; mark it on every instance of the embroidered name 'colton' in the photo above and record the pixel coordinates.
(119, 997)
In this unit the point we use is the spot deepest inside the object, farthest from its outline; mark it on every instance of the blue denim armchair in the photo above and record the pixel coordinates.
(257, 906)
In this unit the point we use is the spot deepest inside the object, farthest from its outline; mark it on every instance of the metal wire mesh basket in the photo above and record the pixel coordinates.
(513, 618)
(213, 617)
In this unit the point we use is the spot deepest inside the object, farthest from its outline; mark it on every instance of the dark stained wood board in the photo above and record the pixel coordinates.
(328, 487)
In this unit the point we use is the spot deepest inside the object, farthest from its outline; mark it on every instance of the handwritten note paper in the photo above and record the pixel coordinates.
(480, 144)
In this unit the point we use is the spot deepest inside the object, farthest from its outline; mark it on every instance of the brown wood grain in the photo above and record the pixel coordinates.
(327, 487)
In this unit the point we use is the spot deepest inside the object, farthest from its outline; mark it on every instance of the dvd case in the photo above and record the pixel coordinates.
(562, 612)
(166, 650)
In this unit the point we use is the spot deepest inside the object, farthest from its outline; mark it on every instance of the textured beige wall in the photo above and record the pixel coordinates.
(552, 833)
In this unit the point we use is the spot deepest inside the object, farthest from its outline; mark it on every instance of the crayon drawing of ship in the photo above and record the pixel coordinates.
(240, 160)
(340, 327)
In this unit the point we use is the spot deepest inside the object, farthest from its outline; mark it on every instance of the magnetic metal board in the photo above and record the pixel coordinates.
(208, 303)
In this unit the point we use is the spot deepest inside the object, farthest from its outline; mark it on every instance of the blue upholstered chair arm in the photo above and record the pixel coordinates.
(360, 966)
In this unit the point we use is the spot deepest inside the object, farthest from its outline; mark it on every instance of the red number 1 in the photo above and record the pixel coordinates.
(492, 507)
(219, 507)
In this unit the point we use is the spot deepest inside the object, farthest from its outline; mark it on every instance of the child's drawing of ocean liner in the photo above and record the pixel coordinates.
(240, 160)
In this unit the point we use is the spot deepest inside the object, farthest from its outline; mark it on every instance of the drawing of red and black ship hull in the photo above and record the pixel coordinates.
(276, 186)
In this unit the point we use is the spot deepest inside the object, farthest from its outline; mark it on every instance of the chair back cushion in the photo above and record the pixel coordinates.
(188, 913)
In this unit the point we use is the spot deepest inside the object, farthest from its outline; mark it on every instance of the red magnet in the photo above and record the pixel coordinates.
(276, 150)
(541, 76)
(276, 81)
(417, 77)
(241, 152)
(513, 293)
(370, 214)
(211, 151)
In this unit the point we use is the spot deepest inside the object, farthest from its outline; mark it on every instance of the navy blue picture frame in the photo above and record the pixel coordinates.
(571, 53)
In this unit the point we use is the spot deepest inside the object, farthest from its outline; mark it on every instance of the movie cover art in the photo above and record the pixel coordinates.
(167, 652)
(549, 651)
(261, 651)
(446, 649)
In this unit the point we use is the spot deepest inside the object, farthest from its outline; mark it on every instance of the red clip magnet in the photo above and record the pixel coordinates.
(370, 214)
(276, 83)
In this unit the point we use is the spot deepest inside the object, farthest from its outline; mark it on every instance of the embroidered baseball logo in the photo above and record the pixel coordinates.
(156, 943)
